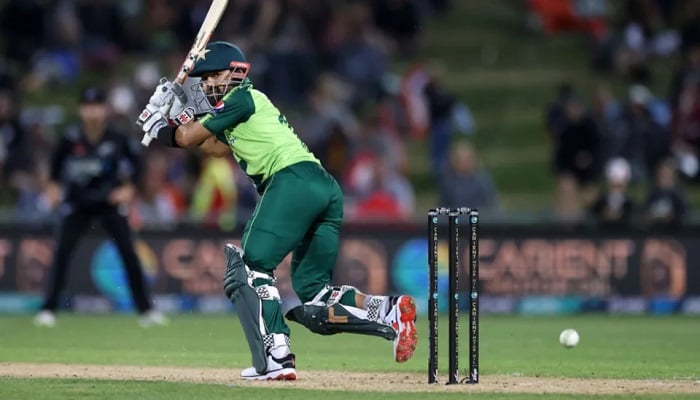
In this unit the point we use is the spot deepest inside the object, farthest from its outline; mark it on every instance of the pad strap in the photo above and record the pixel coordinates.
(374, 307)
(329, 320)
(252, 275)
(268, 292)
(317, 299)
(336, 293)
(276, 340)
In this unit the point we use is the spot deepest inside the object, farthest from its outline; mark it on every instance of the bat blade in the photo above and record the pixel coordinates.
(216, 10)
(211, 20)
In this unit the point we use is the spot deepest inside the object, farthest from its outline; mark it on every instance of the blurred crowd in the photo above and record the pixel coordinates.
(325, 63)
(625, 159)
(620, 155)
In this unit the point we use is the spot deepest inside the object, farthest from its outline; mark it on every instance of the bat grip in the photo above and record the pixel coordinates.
(146, 140)
(179, 92)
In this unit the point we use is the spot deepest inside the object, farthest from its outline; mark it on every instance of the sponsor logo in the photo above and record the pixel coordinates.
(336, 319)
(218, 107)
(334, 297)
(184, 118)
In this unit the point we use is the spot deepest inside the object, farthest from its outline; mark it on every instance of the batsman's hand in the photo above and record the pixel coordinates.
(180, 113)
(151, 120)
(163, 96)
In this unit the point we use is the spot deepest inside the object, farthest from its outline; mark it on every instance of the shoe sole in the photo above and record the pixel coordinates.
(407, 337)
(286, 374)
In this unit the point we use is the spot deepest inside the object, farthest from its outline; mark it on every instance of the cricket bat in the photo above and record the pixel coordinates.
(216, 10)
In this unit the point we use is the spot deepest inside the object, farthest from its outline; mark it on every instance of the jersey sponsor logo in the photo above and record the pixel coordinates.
(218, 107)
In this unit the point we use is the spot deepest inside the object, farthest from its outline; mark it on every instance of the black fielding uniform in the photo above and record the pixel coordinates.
(88, 173)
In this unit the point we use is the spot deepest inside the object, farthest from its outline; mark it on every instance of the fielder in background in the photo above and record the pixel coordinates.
(92, 170)
(300, 210)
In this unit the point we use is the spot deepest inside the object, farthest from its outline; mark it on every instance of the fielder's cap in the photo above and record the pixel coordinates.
(217, 56)
(93, 95)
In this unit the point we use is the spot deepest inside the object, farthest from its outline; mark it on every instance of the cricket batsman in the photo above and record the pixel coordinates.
(300, 210)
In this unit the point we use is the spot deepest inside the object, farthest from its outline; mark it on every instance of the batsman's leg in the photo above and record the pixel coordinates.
(252, 292)
(329, 310)
(391, 317)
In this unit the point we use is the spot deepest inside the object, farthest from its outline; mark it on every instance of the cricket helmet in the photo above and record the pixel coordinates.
(219, 56)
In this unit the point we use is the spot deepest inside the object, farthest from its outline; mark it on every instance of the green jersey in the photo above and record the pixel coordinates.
(260, 138)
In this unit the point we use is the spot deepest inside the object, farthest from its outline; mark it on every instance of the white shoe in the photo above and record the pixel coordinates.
(402, 317)
(278, 369)
(153, 318)
(45, 318)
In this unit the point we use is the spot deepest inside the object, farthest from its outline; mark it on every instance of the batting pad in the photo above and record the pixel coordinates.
(248, 301)
(337, 318)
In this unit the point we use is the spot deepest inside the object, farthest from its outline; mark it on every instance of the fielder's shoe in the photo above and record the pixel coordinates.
(402, 317)
(45, 318)
(278, 369)
(153, 318)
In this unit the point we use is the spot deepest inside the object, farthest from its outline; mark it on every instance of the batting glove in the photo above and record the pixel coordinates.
(163, 96)
(179, 113)
(151, 120)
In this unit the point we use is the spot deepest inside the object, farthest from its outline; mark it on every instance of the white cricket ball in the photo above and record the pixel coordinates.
(568, 338)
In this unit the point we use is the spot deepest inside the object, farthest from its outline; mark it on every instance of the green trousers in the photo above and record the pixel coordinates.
(301, 211)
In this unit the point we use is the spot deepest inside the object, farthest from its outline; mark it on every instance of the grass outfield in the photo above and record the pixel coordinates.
(110, 357)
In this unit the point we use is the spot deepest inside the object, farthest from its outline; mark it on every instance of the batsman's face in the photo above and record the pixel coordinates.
(217, 78)
(216, 84)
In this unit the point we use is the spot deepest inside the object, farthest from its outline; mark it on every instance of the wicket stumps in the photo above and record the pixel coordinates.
(453, 215)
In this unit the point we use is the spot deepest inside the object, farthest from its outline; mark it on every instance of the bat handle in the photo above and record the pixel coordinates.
(179, 92)
(146, 140)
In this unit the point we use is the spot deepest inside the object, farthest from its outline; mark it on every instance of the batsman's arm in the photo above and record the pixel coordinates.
(187, 135)
(191, 135)
(214, 147)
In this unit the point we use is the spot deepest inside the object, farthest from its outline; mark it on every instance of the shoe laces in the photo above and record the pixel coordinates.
(390, 315)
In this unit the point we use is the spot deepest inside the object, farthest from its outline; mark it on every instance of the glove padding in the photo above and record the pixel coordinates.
(163, 96)
(151, 120)
(179, 113)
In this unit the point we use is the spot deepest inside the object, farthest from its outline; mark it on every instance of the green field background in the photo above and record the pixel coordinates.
(637, 347)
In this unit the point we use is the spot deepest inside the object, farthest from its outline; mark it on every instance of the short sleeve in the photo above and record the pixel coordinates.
(235, 108)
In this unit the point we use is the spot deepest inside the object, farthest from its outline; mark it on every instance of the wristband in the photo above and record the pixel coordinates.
(166, 135)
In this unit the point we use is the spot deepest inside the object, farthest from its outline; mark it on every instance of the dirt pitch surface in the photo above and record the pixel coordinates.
(350, 381)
